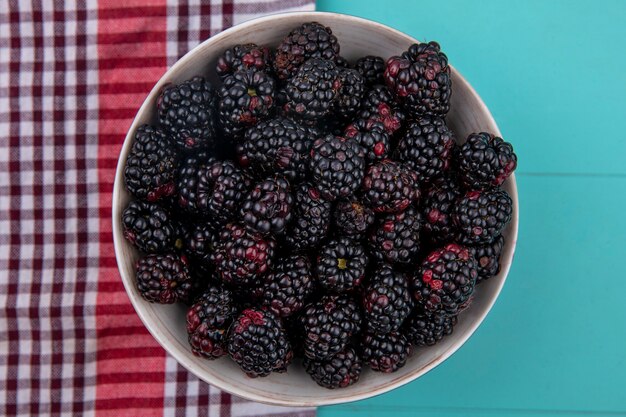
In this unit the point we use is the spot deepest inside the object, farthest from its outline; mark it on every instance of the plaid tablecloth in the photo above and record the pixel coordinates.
(72, 76)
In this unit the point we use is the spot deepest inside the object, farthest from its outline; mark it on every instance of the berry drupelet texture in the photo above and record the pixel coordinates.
(390, 187)
(485, 161)
(488, 258)
(339, 371)
(426, 329)
(481, 216)
(244, 57)
(267, 207)
(378, 103)
(341, 265)
(311, 218)
(352, 218)
(385, 352)
(312, 91)
(438, 208)
(187, 181)
(371, 68)
(395, 238)
(163, 278)
(387, 300)
(372, 136)
(150, 227)
(350, 94)
(200, 242)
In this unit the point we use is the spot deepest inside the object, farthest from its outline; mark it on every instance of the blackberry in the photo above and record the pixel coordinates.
(426, 329)
(328, 325)
(371, 68)
(208, 320)
(426, 147)
(241, 256)
(372, 136)
(341, 265)
(163, 278)
(258, 343)
(349, 95)
(287, 287)
(353, 218)
(395, 238)
(445, 279)
(378, 103)
(488, 258)
(386, 300)
(267, 207)
(244, 57)
(421, 79)
(276, 146)
(311, 218)
(310, 40)
(341, 62)
(480, 216)
(337, 166)
(151, 165)
(200, 243)
(187, 112)
(385, 352)
(389, 187)
(339, 371)
(149, 227)
(485, 160)
(439, 204)
(245, 98)
(187, 181)
(312, 90)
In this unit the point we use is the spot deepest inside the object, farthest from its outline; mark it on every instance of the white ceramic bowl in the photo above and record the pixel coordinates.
(357, 37)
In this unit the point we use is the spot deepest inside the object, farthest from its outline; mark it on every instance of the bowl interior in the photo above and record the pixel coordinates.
(357, 37)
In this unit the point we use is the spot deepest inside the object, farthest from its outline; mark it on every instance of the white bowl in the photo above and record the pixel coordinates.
(357, 37)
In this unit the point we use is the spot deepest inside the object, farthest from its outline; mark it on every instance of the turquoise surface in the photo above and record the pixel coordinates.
(553, 73)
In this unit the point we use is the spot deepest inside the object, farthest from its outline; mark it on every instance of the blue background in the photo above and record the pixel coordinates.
(553, 73)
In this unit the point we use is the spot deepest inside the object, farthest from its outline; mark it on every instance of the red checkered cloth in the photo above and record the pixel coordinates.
(72, 76)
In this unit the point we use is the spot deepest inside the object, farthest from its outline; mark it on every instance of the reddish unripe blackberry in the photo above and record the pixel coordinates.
(485, 160)
(311, 218)
(349, 95)
(341, 265)
(352, 218)
(244, 57)
(488, 258)
(390, 187)
(313, 90)
(150, 227)
(378, 103)
(163, 278)
(267, 207)
(439, 203)
(480, 216)
(426, 329)
(395, 238)
(385, 352)
(372, 136)
(371, 68)
(339, 371)
(386, 300)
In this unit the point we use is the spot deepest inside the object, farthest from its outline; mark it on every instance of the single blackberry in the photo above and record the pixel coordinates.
(386, 300)
(372, 136)
(201, 241)
(276, 146)
(329, 324)
(151, 165)
(480, 216)
(187, 112)
(352, 218)
(445, 279)
(341, 265)
(371, 68)
(378, 103)
(439, 204)
(285, 289)
(241, 256)
(341, 62)
(310, 40)
(426, 329)
(395, 238)
(244, 57)
(163, 278)
(421, 79)
(485, 160)
(187, 181)
(267, 207)
(312, 90)
(208, 320)
(349, 95)
(337, 166)
(385, 352)
(245, 98)
(389, 187)
(149, 227)
(488, 258)
(339, 371)
(426, 147)
(258, 343)
(311, 218)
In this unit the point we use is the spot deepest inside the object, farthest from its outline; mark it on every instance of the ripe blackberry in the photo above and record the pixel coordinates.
(480, 216)
(488, 258)
(149, 227)
(187, 112)
(241, 256)
(151, 165)
(310, 40)
(372, 136)
(329, 324)
(341, 62)
(163, 278)
(426, 329)
(311, 218)
(353, 218)
(187, 181)
(201, 241)
(245, 98)
(445, 279)
(287, 287)
(389, 187)
(421, 80)
(258, 343)
(244, 57)
(339, 371)
(208, 320)
(350, 94)
(385, 352)
(378, 103)
(337, 166)
(439, 204)
(371, 68)
(341, 265)
(267, 207)
(426, 147)
(485, 160)
(386, 300)
(396, 237)
(276, 146)
(312, 90)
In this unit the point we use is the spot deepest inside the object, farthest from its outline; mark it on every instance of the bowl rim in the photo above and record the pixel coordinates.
(159, 335)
